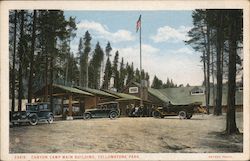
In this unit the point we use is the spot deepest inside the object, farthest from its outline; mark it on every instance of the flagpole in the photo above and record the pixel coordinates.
(141, 101)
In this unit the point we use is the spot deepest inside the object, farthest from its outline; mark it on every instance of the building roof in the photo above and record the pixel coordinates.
(159, 95)
(63, 89)
(96, 92)
(123, 96)
(182, 95)
(72, 90)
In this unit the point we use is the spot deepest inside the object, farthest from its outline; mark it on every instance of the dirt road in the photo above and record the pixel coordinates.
(144, 135)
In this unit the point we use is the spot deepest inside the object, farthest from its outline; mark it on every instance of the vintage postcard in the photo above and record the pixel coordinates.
(124, 80)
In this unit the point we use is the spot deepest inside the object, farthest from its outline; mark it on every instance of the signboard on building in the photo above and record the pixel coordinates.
(133, 90)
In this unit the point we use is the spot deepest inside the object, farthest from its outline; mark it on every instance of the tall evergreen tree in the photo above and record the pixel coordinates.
(71, 27)
(200, 41)
(235, 32)
(137, 75)
(130, 72)
(33, 42)
(21, 52)
(122, 75)
(81, 62)
(95, 67)
(219, 55)
(13, 72)
(85, 64)
(115, 71)
(108, 68)
(157, 83)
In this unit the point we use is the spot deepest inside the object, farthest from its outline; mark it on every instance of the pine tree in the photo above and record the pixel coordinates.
(71, 27)
(108, 68)
(81, 61)
(85, 65)
(235, 32)
(137, 75)
(157, 83)
(122, 75)
(200, 41)
(30, 87)
(13, 72)
(21, 53)
(115, 71)
(95, 67)
(130, 72)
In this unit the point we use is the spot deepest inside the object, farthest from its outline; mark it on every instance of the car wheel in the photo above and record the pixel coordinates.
(50, 119)
(87, 116)
(113, 115)
(33, 120)
(182, 114)
(156, 114)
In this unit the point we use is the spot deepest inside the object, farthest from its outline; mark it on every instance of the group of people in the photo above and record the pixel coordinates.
(138, 111)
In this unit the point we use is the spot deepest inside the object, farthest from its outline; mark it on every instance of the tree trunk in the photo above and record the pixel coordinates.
(21, 52)
(52, 50)
(46, 77)
(13, 66)
(219, 46)
(87, 71)
(213, 73)
(231, 123)
(208, 69)
(205, 76)
(30, 86)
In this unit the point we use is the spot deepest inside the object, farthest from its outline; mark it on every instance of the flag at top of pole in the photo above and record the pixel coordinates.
(138, 24)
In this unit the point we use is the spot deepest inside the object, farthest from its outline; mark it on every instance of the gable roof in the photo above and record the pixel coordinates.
(65, 89)
(123, 96)
(96, 92)
(181, 95)
(159, 95)
(72, 89)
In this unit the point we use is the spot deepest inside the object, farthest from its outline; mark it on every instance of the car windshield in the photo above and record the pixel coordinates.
(32, 108)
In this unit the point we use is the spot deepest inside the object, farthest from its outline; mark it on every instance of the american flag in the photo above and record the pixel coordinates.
(138, 24)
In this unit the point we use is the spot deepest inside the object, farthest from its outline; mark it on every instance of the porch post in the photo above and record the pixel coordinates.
(69, 117)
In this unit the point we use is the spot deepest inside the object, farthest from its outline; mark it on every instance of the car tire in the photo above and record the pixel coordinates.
(113, 115)
(50, 119)
(156, 114)
(182, 115)
(87, 116)
(33, 120)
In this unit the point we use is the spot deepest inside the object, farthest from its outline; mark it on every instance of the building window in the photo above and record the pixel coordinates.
(240, 89)
(197, 91)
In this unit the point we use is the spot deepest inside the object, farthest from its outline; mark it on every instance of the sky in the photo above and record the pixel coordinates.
(164, 52)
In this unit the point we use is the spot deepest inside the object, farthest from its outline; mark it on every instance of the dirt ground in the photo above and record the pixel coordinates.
(201, 134)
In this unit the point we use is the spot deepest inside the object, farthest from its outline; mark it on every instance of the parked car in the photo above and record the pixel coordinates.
(35, 112)
(108, 109)
(184, 111)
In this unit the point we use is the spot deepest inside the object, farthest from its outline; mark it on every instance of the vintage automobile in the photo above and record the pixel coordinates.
(183, 111)
(35, 112)
(108, 109)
